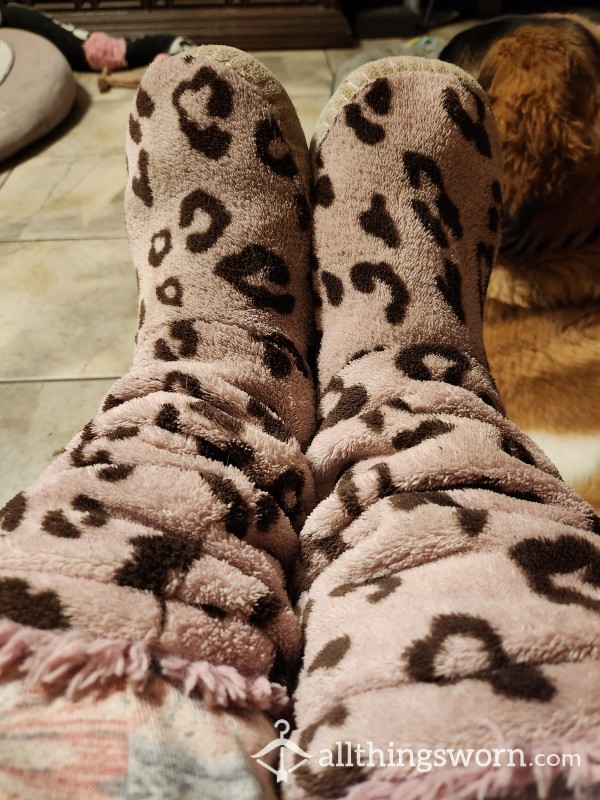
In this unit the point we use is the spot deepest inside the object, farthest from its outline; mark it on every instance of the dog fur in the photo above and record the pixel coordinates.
(542, 315)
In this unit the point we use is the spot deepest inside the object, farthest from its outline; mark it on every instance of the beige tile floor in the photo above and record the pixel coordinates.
(68, 299)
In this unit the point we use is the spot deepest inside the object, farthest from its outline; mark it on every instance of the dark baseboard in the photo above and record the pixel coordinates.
(249, 27)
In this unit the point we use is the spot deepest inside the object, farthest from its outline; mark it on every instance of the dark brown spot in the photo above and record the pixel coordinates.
(13, 512)
(323, 194)
(94, 512)
(520, 681)
(377, 222)
(370, 133)
(330, 654)
(220, 218)
(161, 245)
(170, 292)
(156, 559)
(428, 429)
(334, 288)
(140, 183)
(472, 520)
(364, 275)
(57, 524)
(21, 604)
(379, 97)
(116, 472)
(266, 135)
(144, 103)
(135, 129)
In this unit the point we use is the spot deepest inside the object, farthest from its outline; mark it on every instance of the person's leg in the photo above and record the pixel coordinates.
(451, 579)
(162, 540)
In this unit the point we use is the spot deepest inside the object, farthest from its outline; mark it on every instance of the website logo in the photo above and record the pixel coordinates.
(284, 746)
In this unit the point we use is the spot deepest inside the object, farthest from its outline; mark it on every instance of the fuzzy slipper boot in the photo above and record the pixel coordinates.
(451, 580)
(161, 540)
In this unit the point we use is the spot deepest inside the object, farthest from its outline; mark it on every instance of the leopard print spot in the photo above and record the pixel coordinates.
(13, 512)
(407, 501)
(331, 654)
(135, 129)
(235, 453)
(281, 355)
(270, 421)
(170, 292)
(334, 288)
(517, 450)
(220, 219)
(219, 415)
(265, 609)
(57, 524)
(348, 494)
(411, 361)
(428, 429)
(450, 287)
(112, 402)
(255, 259)
(115, 472)
(363, 277)
(156, 559)
(543, 559)
(142, 314)
(183, 331)
(140, 183)
(473, 130)
(385, 586)
(446, 214)
(287, 489)
(351, 401)
(472, 520)
(161, 245)
(272, 149)
(379, 97)
(267, 512)
(144, 103)
(519, 681)
(79, 457)
(331, 546)
(94, 512)
(212, 141)
(42, 610)
(323, 194)
(377, 221)
(302, 212)
(168, 418)
(122, 432)
(186, 384)
(238, 515)
(370, 133)
(373, 419)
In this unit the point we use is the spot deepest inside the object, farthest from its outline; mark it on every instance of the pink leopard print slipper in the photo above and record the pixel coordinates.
(451, 580)
(162, 539)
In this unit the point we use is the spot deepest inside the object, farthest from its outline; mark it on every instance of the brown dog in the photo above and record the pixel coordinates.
(542, 316)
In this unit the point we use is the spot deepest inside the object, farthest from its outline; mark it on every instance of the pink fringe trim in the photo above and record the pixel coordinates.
(104, 51)
(76, 662)
(468, 783)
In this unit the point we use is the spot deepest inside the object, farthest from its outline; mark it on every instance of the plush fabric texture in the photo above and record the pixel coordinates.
(36, 95)
(163, 538)
(451, 583)
(128, 746)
